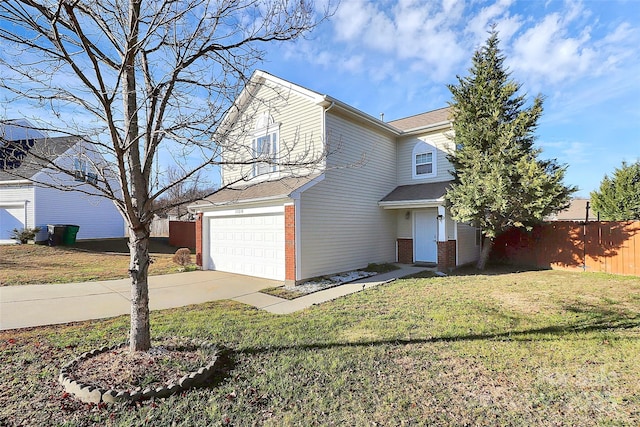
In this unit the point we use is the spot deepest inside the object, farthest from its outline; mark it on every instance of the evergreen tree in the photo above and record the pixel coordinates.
(619, 196)
(499, 182)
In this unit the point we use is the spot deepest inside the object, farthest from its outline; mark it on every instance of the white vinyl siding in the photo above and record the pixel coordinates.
(468, 251)
(97, 217)
(406, 158)
(342, 228)
(299, 133)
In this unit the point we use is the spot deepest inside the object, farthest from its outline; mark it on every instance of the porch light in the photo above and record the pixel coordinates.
(440, 217)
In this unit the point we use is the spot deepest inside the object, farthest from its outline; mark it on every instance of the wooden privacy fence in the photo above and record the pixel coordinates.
(611, 247)
(182, 234)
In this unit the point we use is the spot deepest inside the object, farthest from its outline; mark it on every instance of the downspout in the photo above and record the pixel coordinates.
(26, 214)
(324, 121)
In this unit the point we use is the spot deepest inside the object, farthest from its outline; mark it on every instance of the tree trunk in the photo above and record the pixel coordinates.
(140, 335)
(487, 245)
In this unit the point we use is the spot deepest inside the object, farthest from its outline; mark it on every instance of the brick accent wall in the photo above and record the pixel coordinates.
(290, 243)
(199, 239)
(446, 255)
(405, 251)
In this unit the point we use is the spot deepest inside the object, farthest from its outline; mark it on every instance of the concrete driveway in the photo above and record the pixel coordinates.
(36, 305)
(39, 305)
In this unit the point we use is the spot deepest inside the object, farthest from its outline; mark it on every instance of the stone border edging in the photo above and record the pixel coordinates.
(91, 394)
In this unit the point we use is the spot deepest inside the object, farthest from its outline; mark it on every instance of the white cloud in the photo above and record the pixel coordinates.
(572, 152)
(494, 13)
(352, 19)
(546, 52)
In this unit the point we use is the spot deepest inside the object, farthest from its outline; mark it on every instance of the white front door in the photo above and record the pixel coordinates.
(425, 232)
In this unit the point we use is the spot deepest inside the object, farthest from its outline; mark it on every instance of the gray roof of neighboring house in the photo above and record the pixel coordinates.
(422, 120)
(415, 192)
(18, 129)
(577, 211)
(254, 192)
(36, 159)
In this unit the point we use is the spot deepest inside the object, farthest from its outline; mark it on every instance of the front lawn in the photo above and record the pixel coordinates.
(531, 348)
(88, 260)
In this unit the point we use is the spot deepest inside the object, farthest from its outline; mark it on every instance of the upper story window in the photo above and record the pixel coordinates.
(82, 172)
(424, 161)
(265, 145)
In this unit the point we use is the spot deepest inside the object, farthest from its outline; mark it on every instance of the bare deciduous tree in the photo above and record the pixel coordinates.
(144, 84)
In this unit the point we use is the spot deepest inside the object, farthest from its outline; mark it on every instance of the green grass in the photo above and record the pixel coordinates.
(531, 348)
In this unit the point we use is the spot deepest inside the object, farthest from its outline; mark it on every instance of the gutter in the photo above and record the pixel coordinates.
(213, 206)
(402, 204)
(434, 126)
(16, 182)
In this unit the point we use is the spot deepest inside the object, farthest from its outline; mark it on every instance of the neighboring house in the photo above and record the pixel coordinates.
(377, 196)
(577, 211)
(24, 204)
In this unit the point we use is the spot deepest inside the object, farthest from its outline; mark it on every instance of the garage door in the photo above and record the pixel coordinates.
(10, 218)
(251, 245)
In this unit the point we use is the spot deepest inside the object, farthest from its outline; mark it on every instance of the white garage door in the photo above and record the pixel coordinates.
(10, 218)
(251, 245)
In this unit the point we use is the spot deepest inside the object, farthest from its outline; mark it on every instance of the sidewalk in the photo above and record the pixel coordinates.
(38, 305)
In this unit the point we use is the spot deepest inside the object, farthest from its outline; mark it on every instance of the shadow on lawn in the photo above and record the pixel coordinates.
(469, 270)
(157, 245)
(605, 320)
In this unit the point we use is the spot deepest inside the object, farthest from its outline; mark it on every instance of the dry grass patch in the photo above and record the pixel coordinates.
(38, 264)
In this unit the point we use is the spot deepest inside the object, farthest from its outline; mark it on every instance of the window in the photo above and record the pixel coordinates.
(80, 172)
(424, 161)
(80, 169)
(265, 145)
(266, 149)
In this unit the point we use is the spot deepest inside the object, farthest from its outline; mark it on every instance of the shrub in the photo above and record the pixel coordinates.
(182, 257)
(25, 234)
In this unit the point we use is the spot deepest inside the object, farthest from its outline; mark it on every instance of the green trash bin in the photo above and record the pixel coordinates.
(70, 233)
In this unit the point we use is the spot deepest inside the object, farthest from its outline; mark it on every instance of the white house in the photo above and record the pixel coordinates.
(25, 204)
(377, 195)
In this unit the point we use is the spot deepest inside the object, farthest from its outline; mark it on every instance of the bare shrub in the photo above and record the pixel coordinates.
(182, 257)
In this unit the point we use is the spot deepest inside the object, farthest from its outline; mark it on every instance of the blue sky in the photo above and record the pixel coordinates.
(397, 56)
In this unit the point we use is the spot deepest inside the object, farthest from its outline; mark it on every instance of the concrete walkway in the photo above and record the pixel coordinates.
(38, 305)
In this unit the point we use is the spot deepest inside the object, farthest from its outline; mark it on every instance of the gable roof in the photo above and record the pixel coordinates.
(422, 120)
(40, 152)
(261, 191)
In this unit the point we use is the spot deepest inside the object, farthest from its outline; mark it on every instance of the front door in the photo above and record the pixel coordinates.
(425, 233)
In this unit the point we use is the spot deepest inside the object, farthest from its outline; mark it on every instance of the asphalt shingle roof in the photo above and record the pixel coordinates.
(422, 120)
(43, 150)
(261, 190)
(415, 192)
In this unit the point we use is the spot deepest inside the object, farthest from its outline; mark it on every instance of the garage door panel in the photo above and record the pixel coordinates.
(10, 218)
(252, 245)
